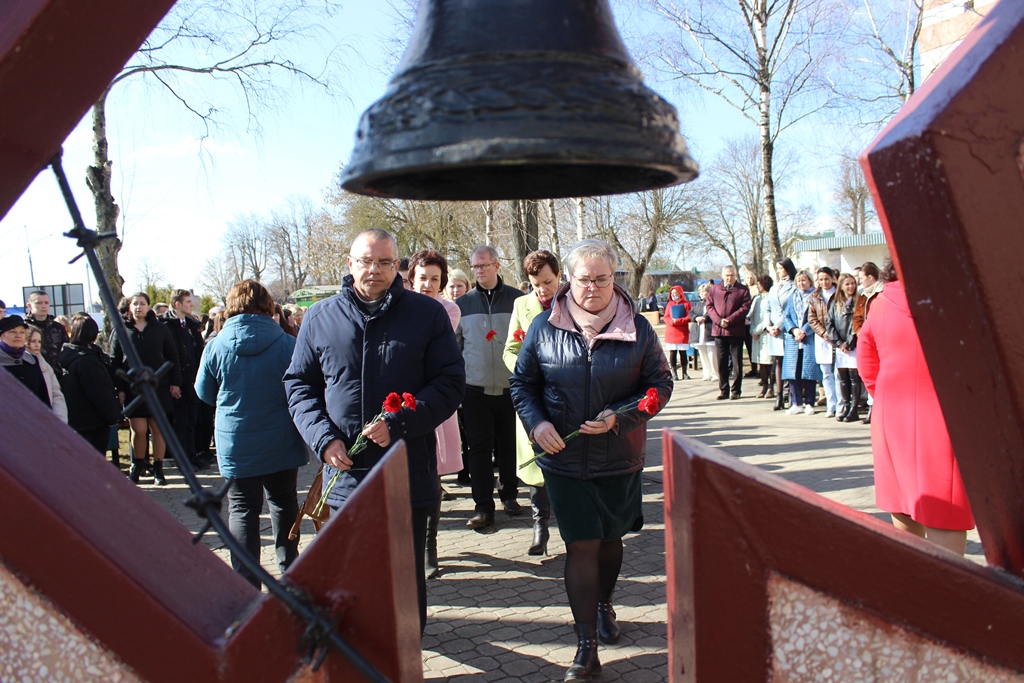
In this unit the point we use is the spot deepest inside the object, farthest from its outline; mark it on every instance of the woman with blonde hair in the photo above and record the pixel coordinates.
(704, 342)
(35, 346)
(458, 284)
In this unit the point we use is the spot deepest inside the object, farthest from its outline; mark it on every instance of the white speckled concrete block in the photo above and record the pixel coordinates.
(818, 638)
(39, 643)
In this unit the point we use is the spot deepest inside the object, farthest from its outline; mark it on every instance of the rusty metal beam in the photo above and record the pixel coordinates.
(56, 57)
(731, 527)
(947, 177)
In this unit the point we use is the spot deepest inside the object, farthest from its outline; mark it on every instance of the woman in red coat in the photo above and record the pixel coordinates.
(916, 477)
(677, 330)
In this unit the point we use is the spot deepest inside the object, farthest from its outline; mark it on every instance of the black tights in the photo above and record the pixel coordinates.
(673, 359)
(591, 570)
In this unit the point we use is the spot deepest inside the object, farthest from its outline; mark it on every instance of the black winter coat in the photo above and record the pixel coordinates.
(155, 346)
(88, 389)
(558, 380)
(840, 323)
(345, 363)
(188, 341)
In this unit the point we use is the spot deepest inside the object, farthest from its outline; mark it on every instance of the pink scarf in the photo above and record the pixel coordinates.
(591, 324)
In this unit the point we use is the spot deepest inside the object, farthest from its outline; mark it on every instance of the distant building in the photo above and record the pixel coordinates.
(844, 253)
(307, 296)
(944, 25)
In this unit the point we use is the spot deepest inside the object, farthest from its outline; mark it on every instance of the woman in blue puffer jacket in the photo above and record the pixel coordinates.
(257, 444)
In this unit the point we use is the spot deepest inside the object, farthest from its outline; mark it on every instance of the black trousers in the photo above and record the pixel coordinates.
(490, 429)
(245, 500)
(186, 415)
(730, 348)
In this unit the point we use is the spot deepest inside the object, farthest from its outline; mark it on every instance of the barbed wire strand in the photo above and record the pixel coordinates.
(320, 633)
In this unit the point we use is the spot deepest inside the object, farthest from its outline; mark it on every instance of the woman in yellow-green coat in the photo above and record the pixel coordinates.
(542, 269)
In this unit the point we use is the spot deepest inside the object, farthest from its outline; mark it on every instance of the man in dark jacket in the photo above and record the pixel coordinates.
(728, 304)
(54, 334)
(371, 339)
(487, 412)
(188, 340)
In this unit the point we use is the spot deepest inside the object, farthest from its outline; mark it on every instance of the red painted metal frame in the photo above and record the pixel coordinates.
(947, 177)
(730, 526)
(56, 57)
(77, 531)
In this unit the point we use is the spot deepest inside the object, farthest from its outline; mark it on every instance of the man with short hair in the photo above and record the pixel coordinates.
(727, 305)
(54, 334)
(188, 340)
(371, 339)
(487, 411)
(817, 318)
(160, 309)
(3, 309)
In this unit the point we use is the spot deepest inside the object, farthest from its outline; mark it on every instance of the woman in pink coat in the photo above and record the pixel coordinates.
(916, 477)
(428, 274)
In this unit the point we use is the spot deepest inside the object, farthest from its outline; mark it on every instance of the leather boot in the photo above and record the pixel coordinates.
(867, 420)
(541, 514)
(608, 630)
(430, 559)
(844, 390)
(158, 473)
(586, 664)
(138, 467)
(853, 414)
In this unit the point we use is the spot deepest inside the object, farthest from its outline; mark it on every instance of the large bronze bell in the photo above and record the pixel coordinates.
(516, 99)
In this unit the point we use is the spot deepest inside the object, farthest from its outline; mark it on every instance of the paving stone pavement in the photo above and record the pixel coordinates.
(497, 614)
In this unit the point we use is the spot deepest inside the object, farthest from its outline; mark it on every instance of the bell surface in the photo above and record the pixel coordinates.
(516, 99)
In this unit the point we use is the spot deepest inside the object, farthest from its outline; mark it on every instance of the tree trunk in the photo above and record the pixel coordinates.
(488, 220)
(556, 248)
(579, 219)
(767, 179)
(97, 177)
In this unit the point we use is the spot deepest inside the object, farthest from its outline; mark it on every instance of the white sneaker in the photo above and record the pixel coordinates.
(830, 413)
(794, 410)
(808, 410)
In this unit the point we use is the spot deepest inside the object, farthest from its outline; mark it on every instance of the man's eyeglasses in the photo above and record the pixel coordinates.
(481, 266)
(383, 264)
(601, 282)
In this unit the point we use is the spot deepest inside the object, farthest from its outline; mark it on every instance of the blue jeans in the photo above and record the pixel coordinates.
(828, 382)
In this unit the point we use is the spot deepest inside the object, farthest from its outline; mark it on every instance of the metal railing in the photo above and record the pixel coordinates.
(320, 634)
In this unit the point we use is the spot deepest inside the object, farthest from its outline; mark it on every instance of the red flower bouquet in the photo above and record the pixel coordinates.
(393, 403)
(648, 404)
(519, 335)
(491, 335)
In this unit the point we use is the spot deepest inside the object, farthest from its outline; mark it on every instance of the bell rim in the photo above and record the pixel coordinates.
(368, 183)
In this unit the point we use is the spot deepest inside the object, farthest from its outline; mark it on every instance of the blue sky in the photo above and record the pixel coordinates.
(177, 202)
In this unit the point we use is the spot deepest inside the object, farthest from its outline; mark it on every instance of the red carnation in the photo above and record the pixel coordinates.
(649, 406)
(491, 335)
(408, 400)
(652, 394)
(519, 335)
(393, 403)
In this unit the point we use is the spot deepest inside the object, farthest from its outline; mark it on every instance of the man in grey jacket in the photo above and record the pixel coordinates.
(487, 407)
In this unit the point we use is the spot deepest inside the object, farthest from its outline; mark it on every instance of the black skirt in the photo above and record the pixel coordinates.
(606, 508)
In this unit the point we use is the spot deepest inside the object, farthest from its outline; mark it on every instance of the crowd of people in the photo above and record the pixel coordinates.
(550, 385)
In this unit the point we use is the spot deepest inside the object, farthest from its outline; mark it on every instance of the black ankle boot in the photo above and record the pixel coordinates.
(608, 630)
(138, 466)
(540, 538)
(586, 664)
(158, 473)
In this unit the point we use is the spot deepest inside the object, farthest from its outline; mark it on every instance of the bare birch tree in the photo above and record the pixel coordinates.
(884, 38)
(766, 58)
(235, 42)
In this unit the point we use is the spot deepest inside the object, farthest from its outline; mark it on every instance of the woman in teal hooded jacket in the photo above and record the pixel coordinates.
(257, 443)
